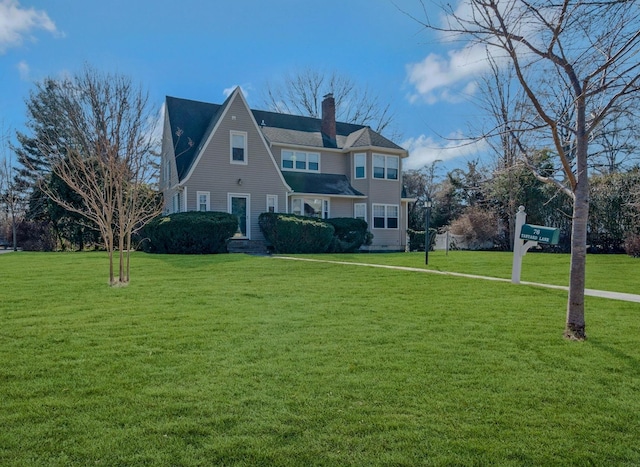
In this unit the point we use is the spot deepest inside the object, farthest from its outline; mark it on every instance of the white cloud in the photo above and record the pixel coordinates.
(425, 150)
(244, 88)
(16, 23)
(24, 70)
(451, 78)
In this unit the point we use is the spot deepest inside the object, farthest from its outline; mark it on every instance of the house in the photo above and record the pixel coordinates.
(228, 157)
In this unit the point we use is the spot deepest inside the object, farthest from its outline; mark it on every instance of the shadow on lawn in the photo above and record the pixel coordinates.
(632, 362)
(185, 261)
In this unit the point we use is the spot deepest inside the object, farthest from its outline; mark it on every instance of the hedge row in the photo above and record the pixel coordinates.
(189, 233)
(289, 233)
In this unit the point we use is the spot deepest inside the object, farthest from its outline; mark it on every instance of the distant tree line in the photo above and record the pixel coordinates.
(480, 202)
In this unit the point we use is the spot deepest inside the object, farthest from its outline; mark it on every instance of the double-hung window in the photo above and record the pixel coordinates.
(385, 216)
(272, 203)
(360, 211)
(238, 147)
(203, 200)
(360, 166)
(386, 167)
(176, 202)
(166, 172)
(300, 161)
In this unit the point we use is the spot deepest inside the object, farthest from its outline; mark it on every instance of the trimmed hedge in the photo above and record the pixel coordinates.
(288, 233)
(350, 234)
(189, 233)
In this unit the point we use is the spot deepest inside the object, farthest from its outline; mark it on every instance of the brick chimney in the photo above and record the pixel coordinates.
(329, 116)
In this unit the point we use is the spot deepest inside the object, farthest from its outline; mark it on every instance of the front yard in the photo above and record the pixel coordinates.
(238, 360)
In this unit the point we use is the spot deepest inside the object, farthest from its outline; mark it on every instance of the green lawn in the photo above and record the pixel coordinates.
(238, 360)
(617, 273)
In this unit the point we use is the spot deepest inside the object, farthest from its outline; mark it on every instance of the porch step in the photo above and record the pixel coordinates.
(249, 247)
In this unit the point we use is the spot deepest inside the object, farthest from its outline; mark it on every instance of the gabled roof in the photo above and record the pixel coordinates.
(321, 184)
(192, 121)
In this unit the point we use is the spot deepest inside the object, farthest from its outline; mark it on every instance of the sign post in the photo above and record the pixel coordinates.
(527, 236)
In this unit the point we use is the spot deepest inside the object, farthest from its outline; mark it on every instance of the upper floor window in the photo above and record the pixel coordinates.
(298, 160)
(360, 166)
(386, 167)
(238, 147)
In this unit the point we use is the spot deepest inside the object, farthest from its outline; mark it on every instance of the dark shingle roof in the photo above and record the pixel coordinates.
(191, 119)
(195, 120)
(322, 184)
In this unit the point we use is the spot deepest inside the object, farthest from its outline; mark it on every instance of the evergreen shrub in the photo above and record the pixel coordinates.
(350, 234)
(189, 233)
(289, 233)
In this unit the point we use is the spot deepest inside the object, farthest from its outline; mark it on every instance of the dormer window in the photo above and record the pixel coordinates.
(238, 147)
(300, 161)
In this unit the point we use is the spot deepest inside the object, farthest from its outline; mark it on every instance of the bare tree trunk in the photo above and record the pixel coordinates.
(14, 231)
(128, 256)
(575, 324)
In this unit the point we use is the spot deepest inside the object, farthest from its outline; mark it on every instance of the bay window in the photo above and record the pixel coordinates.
(386, 167)
(310, 207)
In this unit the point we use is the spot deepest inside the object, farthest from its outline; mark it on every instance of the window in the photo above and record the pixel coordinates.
(360, 166)
(385, 216)
(203, 198)
(167, 172)
(238, 147)
(386, 167)
(310, 207)
(176, 202)
(272, 203)
(300, 161)
(360, 211)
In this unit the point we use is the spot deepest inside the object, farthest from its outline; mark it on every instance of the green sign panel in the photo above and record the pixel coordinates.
(541, 234)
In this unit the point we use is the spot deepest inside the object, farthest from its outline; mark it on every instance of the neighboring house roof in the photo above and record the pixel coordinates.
(195, 120)
(326, 184)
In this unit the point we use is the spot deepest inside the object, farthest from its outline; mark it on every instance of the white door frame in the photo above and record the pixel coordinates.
(247, 197)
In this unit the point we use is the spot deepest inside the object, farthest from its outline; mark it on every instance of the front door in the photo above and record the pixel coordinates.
(239, 206)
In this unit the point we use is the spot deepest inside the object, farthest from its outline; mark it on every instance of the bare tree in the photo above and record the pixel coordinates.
(301, 93)
(103, 151)
(584, 51)
(11, 198)
(616, 142)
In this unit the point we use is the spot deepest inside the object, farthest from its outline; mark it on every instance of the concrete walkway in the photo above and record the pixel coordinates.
(627, 297)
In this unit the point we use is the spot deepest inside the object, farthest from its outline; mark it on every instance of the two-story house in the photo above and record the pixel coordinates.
(228, 157)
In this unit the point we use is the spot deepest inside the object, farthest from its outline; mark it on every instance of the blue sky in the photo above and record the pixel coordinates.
(200, 49)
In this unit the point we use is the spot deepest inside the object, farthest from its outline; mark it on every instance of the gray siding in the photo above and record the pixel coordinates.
(214, 172)
(381, 191)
